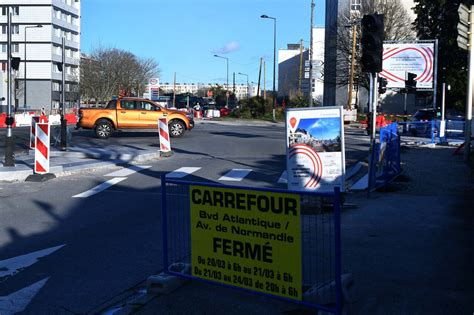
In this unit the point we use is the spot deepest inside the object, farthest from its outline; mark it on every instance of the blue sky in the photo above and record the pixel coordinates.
(183, 35)
(322, 128)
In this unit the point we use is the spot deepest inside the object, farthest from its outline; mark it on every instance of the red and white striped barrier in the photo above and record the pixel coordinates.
(198, 114)
(42, 148)
(165, 145)
(34, 121)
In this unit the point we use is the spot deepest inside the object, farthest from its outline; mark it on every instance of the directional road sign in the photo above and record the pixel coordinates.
(463, 27)
(463, 14)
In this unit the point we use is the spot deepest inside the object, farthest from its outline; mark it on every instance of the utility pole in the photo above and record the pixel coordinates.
(63, 98)
(9, 140)
(351, 78)
(264, 80)
(259, 75)
(311, 58)
(233, 84)
(174, 90)
(301, 68)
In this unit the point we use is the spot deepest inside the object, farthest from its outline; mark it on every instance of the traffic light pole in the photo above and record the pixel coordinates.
(373, 99)
(63, 98)
(9, 140)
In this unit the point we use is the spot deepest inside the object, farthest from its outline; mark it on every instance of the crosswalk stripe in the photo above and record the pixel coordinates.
(128, 171)
(283, 178)
(182, 172)
(99, 188)
(235, 175)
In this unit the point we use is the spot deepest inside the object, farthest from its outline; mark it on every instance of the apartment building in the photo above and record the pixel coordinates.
(38, 27)
(241, 90)
(293, 69)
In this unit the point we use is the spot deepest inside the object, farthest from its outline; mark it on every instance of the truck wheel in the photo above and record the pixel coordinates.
(176, 128)
(103, 129)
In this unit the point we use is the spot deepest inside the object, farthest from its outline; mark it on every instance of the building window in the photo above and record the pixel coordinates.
(4, 66)
(15, 29)
(15, 48)
(355, 5)
(15, 10)
(56, 87)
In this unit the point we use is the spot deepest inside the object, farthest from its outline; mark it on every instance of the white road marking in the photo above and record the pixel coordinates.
(128, 171)
(97, 189)
(11, 266)
(17, 301)
(283, 178)
(182, 172)
(236, 175)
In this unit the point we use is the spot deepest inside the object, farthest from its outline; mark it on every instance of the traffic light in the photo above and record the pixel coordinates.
(60, 67)
(410, 83)
(382, 85)
(372, 43)
(15, 61)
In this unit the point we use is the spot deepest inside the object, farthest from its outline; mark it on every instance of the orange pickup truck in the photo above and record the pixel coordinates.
(132, 113)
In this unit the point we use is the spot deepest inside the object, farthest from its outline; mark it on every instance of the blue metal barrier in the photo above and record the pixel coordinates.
(317, 231)
(454, 129)
(386, 160)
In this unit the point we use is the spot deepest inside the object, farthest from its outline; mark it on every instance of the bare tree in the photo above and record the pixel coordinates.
(397, 26)
(107, 71)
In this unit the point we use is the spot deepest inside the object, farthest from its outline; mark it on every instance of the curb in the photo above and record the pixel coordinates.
(82, 161)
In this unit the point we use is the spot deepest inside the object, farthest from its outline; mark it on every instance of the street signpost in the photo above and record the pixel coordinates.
(465, 30)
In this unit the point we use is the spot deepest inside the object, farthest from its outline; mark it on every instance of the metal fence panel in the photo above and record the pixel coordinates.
(320, 241)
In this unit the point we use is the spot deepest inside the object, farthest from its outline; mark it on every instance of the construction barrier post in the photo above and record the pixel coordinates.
(42, 148)
(34, 121)
(165, 144)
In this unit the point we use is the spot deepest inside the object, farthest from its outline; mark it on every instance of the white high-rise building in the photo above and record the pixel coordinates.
(38, 27)
(293, 69)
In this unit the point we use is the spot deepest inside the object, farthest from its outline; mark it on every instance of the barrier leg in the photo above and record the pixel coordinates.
(337, 254)
(164, 222)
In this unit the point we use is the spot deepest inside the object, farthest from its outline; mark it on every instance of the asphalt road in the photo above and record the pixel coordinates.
(94, 247)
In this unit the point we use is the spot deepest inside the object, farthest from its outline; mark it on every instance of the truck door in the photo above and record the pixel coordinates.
(128, 115)
(149, 114)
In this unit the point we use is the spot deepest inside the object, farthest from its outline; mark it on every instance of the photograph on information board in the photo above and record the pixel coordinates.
(315, 148)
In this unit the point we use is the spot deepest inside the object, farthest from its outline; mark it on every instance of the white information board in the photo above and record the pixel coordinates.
(315, 159)
(399, 59)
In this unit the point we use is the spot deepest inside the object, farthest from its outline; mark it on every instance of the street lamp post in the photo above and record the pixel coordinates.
(274, 59)
(227, 87)
(247, 84)
(24, 61)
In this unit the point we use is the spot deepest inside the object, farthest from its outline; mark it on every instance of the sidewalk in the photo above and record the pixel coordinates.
(76, 160)
(409, 248)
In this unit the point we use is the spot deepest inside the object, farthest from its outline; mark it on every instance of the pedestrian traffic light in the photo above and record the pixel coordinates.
(382, 85)
(372, 43)
(15, 62)
(410, 83)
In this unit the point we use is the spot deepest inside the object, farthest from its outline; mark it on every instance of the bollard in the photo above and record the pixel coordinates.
(42, 148)
(34, 120)
(165, 145)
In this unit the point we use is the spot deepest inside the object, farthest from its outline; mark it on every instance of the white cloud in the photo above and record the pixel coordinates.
(228, 48)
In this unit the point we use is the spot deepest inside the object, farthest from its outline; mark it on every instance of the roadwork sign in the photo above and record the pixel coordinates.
(248, 239)
(315, 148)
